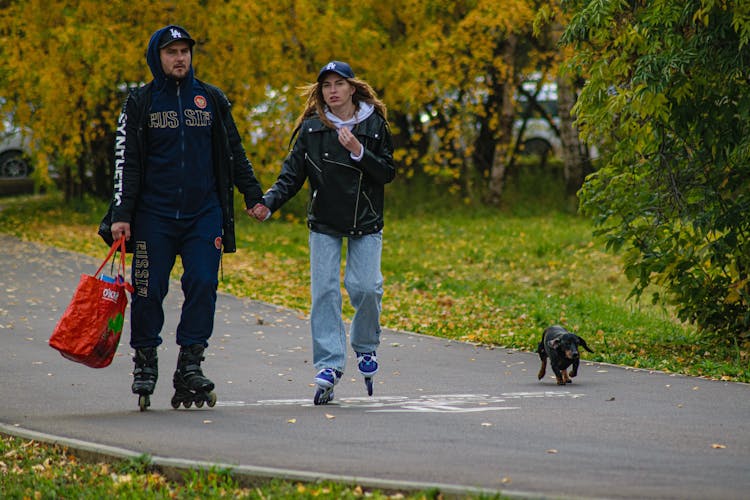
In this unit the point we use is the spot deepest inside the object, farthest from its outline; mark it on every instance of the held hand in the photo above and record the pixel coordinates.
(350, 141)
(120, 228)
(259, 211)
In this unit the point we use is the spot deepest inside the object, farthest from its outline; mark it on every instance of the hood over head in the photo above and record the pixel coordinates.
(160, 39)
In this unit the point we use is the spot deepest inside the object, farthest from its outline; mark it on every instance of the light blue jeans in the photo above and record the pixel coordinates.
(364, 284)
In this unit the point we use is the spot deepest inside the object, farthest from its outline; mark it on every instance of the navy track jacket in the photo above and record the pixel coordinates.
(178, 152)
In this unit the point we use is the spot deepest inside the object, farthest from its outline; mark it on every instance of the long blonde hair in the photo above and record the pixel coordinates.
(315, 104)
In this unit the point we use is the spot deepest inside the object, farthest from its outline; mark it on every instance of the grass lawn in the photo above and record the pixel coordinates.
(489, 276)
(30, 470)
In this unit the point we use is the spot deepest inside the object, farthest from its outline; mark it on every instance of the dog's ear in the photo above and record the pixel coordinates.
(582, 343)
(554, 343)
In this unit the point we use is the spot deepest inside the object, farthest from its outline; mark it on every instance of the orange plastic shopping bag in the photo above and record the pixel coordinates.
(90, 328)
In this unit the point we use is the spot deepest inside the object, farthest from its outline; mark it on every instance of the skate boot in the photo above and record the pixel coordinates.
(367, 362)
(190, 385)
(325, 380)
(145, 373)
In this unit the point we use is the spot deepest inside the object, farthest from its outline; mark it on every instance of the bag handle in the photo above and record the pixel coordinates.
(118, 245)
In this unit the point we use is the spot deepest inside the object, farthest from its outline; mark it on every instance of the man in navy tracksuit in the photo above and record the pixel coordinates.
(178, 156)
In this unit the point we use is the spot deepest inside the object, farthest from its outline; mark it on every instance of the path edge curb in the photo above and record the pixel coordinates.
(247, 475)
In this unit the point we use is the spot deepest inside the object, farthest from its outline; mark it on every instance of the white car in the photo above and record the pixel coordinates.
(538, 137)
(14, 152)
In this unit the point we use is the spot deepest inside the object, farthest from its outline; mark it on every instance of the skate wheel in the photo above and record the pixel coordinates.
(368, 384)
(320, 397)
(199, 403)
(143, 402)
(187, 404)
(317, 400)
(175, 403)
(211, 399)
(323, 396)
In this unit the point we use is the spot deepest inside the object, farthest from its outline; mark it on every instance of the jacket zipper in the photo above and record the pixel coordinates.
(182, 142)
(356, 204)
(309, 158)
(359, 188)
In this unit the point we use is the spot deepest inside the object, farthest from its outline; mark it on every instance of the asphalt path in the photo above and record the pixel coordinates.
(444, 414)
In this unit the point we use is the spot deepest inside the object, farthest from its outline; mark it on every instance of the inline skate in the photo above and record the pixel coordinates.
(324, 381)
(367, 362)
(145, 374)
(190, 385)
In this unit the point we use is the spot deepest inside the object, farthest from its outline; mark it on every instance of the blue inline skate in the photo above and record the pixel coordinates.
(190, 385)
(325, 380)
(145, 374)
(367, 362)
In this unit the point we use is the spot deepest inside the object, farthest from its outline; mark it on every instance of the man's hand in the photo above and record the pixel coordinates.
(259, 211)
(121, 228)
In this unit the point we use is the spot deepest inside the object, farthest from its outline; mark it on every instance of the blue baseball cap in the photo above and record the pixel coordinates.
(338, 67)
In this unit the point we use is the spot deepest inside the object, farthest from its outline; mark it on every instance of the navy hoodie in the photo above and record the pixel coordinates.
(179, 176)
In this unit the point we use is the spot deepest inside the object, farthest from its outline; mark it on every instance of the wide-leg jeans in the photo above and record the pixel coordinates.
(363, 282)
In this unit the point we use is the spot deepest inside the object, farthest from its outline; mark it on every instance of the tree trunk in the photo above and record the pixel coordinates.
(497, 176)
(574, 153)
(502, 145)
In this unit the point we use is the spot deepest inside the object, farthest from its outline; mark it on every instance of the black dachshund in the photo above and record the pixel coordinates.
(561, 347)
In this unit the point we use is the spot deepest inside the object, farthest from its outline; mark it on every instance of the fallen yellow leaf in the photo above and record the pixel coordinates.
(718, 446)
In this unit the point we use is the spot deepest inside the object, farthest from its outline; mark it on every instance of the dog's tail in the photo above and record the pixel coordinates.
(540, 350)
(582, 343)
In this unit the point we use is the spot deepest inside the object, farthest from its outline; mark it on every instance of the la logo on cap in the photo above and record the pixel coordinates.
(175, 33)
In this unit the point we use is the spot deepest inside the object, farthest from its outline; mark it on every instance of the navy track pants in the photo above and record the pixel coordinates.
(158, 241)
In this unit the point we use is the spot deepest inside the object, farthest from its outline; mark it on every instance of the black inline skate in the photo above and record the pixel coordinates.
(144, 375)
(190, 385)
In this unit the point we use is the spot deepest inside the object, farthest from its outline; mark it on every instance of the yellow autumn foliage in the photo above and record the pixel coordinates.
(441, 66)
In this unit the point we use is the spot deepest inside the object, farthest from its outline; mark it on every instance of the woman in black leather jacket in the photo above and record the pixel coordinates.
(343, 147)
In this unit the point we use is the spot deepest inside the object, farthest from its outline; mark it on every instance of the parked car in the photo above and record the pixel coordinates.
(538, 137)
(14, 152)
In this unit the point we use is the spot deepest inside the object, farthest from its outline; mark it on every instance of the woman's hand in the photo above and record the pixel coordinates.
(350, 141)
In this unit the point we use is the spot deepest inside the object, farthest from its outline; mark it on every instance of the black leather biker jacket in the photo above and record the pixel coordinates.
(346, 196)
